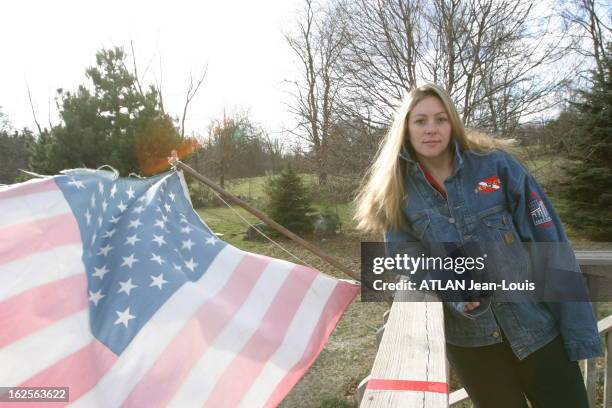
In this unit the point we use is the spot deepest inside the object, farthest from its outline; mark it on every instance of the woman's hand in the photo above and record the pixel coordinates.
(469, 306)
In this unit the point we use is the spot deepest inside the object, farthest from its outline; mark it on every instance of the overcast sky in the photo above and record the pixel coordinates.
(49, 44)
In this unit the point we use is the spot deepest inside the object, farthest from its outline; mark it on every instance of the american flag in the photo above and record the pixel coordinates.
(116, 288)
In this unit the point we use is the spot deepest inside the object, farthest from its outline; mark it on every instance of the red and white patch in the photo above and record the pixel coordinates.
(489, 185)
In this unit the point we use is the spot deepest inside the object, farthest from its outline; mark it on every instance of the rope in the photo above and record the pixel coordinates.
(261, 232)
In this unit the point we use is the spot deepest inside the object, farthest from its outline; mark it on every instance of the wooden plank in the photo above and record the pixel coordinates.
(607, 397)
(379, 334)
(410, 366)
(590, 380)
(595, 263)
(594, 257)
(361, 389)
(458, 396)
(605, 325)
(386, 315)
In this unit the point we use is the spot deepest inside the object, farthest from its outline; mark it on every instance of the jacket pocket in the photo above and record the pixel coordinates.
(507, 257)
(498, 224)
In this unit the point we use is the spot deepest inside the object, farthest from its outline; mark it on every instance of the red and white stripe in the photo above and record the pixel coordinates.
(242, 335)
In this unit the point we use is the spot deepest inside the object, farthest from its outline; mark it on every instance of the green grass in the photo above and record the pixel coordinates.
(253, 187)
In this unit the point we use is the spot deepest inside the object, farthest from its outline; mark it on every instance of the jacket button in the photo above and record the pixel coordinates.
(451, 220)
(495, 334)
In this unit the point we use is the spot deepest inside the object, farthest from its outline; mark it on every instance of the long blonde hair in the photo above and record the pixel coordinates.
(378, 203)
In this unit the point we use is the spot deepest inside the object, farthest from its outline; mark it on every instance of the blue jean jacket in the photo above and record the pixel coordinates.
(493, 198)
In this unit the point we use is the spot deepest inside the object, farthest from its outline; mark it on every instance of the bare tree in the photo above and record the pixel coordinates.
(192, 87)
(491, 55)
(192, 90)
(33, 110)
(318, 43)
(584, 19)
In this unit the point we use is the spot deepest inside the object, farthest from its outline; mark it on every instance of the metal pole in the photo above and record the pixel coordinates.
(174, 161)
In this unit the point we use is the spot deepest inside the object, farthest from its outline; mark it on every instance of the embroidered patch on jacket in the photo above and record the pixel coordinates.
(489, 185)
(539, 213)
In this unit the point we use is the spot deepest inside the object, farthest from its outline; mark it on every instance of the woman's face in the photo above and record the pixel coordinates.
(429, 129)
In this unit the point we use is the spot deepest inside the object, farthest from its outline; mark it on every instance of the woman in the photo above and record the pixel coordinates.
(431, 183)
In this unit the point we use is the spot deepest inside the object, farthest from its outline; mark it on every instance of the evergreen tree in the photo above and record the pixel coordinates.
(14, 154)
(588, 191)
(14, 150)
(289, 202)
(112, 122)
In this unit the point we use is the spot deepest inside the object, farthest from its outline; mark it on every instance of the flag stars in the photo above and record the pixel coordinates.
(138, 209)
(95, 297)
(92, 201)
(186, 229)
(177, 268)
(160, 223)
(88, 216)
(114, 220)
(191, 265)
(126, 287)
(187, 244)
(113, 191)
(100, 187)
(124, 317)
(122, 207)
(183, 219)
(132, 240)
(130, 192)
(211, 240)
(171, 195)
(76, 183)
(158, 281)
(104, 206)
(105, 250)
(157, 258)
(167, 207)
(159, 240)
(129, 261)
(109, 233)
(99, 222)
(135, 223)
(100, 272)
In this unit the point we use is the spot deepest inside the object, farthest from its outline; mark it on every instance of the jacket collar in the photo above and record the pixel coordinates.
(458, 157)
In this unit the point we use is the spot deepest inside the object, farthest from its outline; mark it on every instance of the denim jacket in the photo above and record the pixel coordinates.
(501, 212)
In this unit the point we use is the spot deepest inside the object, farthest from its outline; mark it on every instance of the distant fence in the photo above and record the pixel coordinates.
(411, 370)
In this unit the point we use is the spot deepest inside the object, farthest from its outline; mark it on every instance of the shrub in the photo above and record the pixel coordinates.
(202, 196)
(289, 202)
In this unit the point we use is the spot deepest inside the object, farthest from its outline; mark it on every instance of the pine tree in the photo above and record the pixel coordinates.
(589, 189)
(110, 121)
(289, 202)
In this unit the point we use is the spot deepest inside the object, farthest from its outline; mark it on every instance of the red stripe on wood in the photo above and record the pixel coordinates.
(407, 385)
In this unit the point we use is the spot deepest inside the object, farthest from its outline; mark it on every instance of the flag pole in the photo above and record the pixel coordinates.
(175, 162)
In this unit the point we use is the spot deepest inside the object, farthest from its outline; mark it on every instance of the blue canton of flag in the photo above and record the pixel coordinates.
(147, 233)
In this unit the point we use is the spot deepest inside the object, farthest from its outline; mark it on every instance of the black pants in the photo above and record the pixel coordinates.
(494, 378)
